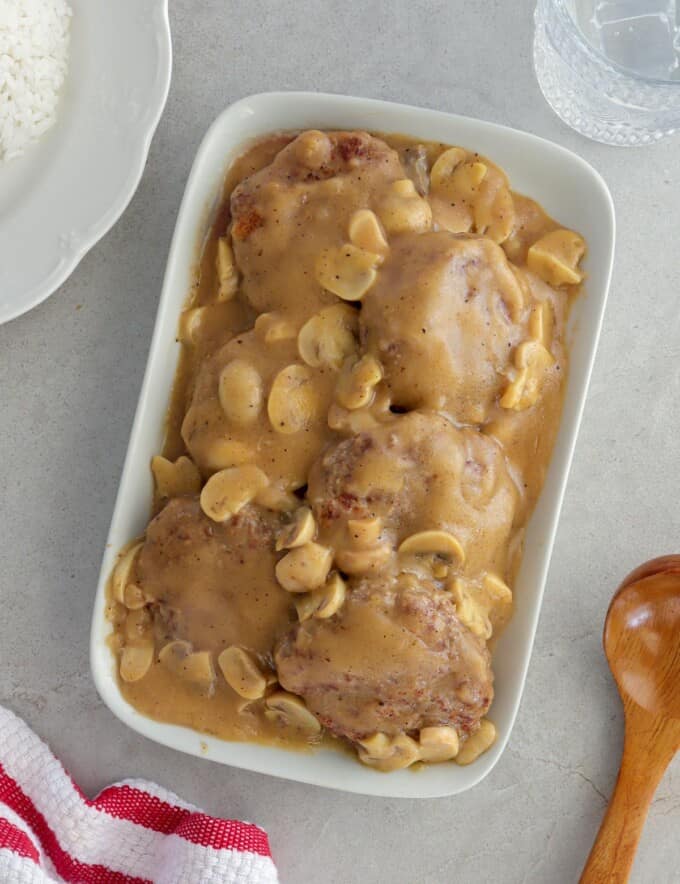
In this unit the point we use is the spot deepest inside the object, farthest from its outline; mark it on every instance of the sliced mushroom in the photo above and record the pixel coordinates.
(388, 753)
(323, 602)
(347, 271)
(291, 711)
(494, 209)
(456, 185)
(173, 654)
(300, 531)
(364, 533)
(496, 588)
(329, 337)
(467, 178)
(304, 568)
(135, 661)
(273, 328)
(199, 670)
(227, 492)
(470, 193)
(222, 453)
(190, 323)
(227, 274)
(135, 597)
(403, 187)
(516, 296)
(459, 195)
(469, 611)
(555, 257)
(363, 561)
(529, 354)
(532, 360)
(342, 420)
(433, 543)
(477, 743)
(403, 210)
(444, 166)
(293, 400)
(195, 667)
(123, 571)
(175, 479)
(357, 382)
(306, 604)
(242, 673)
(138, 626)
(240, 392)
(438, 743)
(365, 231)
(541, 323)
(313, 149)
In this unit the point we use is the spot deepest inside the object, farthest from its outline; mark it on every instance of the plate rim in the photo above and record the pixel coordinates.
(40, 291)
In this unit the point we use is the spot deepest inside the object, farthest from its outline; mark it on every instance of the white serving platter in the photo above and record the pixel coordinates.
(571, 191)
(69, 188)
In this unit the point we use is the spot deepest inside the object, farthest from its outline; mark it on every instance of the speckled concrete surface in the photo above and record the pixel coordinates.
(70, 372)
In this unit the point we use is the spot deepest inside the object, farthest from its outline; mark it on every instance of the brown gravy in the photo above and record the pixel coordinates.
(464, 289)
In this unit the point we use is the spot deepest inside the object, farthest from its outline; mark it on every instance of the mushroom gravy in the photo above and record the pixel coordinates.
(370, 386)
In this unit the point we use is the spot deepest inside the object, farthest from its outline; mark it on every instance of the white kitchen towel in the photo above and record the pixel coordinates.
(133, 832)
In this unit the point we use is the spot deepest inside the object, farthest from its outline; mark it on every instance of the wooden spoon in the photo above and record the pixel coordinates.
(642, 644)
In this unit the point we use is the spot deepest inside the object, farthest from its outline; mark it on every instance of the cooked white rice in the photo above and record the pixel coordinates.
(34, 37)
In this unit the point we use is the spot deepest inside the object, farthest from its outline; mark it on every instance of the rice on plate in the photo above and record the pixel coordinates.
(34, 42)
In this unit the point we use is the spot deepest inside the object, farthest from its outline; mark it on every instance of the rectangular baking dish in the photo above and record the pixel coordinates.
(571, 191)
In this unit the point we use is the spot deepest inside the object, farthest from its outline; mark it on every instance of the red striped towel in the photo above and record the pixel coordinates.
(132, 833)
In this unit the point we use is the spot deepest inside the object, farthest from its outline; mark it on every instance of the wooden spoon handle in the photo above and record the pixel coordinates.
(650, 744)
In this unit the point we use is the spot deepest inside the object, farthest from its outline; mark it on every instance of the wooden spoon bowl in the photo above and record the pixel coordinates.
(642, 644)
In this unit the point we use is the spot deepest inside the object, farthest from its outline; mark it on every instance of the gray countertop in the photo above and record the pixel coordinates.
(70, 373)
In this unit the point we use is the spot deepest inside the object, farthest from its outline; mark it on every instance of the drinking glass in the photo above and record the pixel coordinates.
(611, 68)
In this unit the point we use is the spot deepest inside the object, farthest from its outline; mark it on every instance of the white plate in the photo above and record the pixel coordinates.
(571, 191)
(68, 189)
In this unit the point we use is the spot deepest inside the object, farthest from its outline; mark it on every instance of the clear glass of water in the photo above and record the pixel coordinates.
(611, 68)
